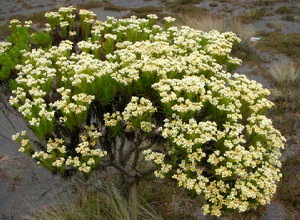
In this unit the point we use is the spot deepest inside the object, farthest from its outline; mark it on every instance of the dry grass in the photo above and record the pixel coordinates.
(7, 158)
(285, 72)
(286, 94)
(106, 203)
(210, 22)
(205, 22)
(289, 187)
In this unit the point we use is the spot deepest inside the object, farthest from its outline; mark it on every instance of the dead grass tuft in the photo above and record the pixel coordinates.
(106, 203)
(286, 76)
(285, 73)
(208, 22)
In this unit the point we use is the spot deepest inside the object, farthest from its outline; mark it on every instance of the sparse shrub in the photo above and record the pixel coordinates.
(110, 6)
(91, 4)
(288, 44)
(213, 4)
(284, 10)
(40, 38)
(183, 2)
(141, 98)
(252, 16)
(10, 51)
(288, 18)
(147, 9)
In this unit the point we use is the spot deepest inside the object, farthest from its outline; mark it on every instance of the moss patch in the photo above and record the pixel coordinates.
(284, 10)
(183, 9)
(112, 7)
(105, 4)
(247, 53)
(166, 198)
(147, 9)
(181, 2)
(289, 187)
(252, 16)
(89, 5)
(289, 44)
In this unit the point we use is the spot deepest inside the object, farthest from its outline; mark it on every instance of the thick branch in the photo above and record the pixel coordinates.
(137, 146)
(131, 150)
(9, 121)
(146, 171)
(135, 160)
(121, 150)
(122, 169)
(10, 140)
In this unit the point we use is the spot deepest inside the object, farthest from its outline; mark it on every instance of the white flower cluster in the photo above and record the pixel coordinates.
(4, 46)
(63, 18)
(86, 46)
(73, 108)
(180, 133)
(35, 76)
(55, 156)
(110, 36)
(246, 155)
(137, 114)
(113, 119)
(15, 23)
(152, 16)
(158, 159)
(88, 16)
(24, 141)
(169, 19)
(137, 107)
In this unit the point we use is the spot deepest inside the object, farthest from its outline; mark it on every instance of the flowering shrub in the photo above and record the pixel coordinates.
(105, 93)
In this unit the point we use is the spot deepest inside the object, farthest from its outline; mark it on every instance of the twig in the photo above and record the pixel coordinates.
(1, 135)
(12, 125)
